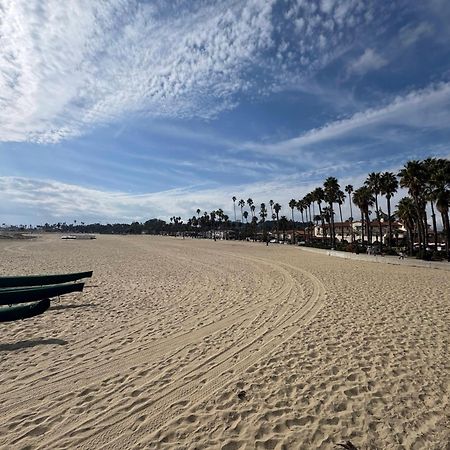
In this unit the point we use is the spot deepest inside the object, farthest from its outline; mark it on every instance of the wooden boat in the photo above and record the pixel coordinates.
(40, 280)
(18, 312)
(23, 295)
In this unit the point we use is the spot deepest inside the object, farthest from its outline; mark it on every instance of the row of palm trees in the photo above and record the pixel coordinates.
(427, 183)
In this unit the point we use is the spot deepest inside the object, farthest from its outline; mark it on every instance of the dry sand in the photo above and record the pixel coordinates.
(192, 344)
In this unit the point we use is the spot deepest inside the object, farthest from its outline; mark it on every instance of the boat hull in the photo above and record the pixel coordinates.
(20, 312)
(41, 280)
(23, 295)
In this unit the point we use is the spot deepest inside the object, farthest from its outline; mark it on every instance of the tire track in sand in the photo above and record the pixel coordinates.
(125, 433)
(269, 315)
(80, 377)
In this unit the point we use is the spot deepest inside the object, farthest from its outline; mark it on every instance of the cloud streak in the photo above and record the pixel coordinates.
(423, 109)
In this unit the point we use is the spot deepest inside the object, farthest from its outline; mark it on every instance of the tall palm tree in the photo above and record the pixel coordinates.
(277, 209)
(246, 216)
(284, 223)
(271, 207)
(234, 207)
(307, 200)
(212, 216)
(241, 203)
(250, 203)
(349, 189)
(299, 207)
(440, 181)
(413, 176)
(340, 198)
(292, 205)
(319, 197)
(198, 212)
(331, 189)
(442, 204)
(263, 215)
(388, 187)
(373, 182)
(364, 199)
(252, 209)
(407, 213)
(433, 167)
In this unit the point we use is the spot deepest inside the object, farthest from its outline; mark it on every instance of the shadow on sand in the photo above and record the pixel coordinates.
(31, 343)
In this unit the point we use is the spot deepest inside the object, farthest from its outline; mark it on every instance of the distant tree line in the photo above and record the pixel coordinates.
(427, 183)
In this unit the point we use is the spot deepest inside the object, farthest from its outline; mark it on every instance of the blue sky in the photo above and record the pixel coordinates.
(128, 110)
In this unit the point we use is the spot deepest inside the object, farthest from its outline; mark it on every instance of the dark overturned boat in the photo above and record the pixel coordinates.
(41, 280)
(23, 311)
(30, 294)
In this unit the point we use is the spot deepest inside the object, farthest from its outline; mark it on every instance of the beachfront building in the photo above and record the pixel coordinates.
(346, 230)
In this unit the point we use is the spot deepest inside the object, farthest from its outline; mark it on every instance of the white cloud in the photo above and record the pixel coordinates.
(47, 200)
(368, 61)
(410, 34)
(68, 66)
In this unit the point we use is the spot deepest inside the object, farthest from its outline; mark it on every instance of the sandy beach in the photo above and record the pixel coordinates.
(195, 344)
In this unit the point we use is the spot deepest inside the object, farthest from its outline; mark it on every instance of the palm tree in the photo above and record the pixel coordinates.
(198, 212)
(413, 176)
(340, 198)
(284, 222)
(252, 209)
(319, 196)
(263, 215)
(300, 208)
(349, 190)
(271, 207)
(407, 213)
(373, 182)
(307, 200)
(440, 182)
(433, 185)
(246, 216)
(250, 203)
(388, 187)
(442, 204)
(234, 206)
(277, 208)
(241, 203)
(331, 189)
(292, 205)
(364, 199)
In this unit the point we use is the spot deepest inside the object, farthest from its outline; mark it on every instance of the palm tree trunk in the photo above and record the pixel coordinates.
(293, 227)
(446, 223)
(333, 235)
(369, 234)
(324, 232)
(433, 218)
(425, 224)
(380, 230)
(362, 227)
(342, 223)
(278, 228)
(388, 198)
(410, 240)
(351, 215)
(309, 223)
(420, 231)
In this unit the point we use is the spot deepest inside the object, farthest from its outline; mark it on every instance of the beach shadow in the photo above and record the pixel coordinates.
(61, 307)
(31, 343)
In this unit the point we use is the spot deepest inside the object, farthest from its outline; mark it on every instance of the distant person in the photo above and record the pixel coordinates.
(401, 255)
